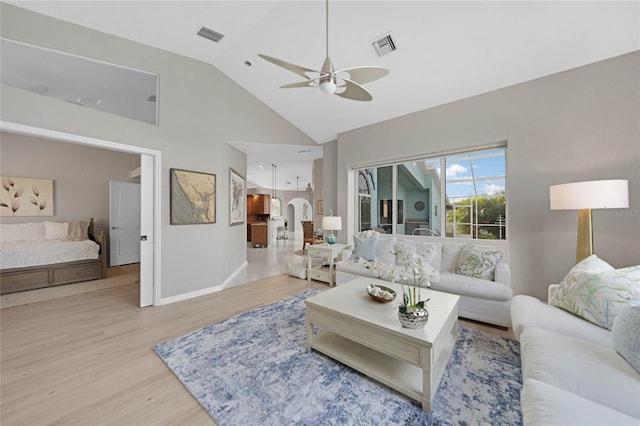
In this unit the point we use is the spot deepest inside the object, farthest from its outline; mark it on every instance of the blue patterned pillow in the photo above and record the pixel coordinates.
(626, 338)
(364, 248)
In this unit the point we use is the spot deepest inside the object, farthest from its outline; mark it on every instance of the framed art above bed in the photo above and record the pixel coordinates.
(26, 197)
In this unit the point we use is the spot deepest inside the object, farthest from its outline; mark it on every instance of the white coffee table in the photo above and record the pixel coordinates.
(367, 336)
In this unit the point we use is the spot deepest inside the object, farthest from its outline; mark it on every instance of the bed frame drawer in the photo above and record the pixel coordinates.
(76, 273)
(21, 281)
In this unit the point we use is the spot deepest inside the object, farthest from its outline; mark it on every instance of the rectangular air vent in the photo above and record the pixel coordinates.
(384, 45)
(210, 34)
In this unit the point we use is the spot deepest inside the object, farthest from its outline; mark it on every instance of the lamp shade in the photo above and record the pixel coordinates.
(332, 223)
(595, 194)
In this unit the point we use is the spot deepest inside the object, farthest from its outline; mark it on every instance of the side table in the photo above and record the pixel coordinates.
(326, 252)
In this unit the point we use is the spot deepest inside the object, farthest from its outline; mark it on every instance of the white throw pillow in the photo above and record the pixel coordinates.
(385, 252)
(432, 252)
(11, 233)
(450, 255)
(56, 230)
(596, 292)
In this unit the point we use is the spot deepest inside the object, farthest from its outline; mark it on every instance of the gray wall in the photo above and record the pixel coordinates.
(199, 109)
(582, 124)
(80, 175)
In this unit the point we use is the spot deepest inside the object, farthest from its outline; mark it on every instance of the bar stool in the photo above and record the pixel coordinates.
(281, 234)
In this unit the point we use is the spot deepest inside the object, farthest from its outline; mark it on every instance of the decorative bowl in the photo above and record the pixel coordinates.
(377, 293)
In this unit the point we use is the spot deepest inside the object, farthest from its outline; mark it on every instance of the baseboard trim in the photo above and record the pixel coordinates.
(204, 291)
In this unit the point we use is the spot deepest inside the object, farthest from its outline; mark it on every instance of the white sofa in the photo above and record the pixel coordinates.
(480, 299)
(571, 372)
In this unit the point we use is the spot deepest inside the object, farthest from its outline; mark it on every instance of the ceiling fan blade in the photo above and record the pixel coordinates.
(354, 91)
(362, 75)
(308, 83)
(301, 71)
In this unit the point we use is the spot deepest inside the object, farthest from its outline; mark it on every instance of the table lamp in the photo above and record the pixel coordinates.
(331, 223)
(585, 196)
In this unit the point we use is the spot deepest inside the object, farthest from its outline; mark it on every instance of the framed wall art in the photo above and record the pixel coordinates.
(237, 198)
(26, 197)
(192, 197)
(320, 207)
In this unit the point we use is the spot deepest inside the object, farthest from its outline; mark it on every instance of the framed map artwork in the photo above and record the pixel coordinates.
(193, 197)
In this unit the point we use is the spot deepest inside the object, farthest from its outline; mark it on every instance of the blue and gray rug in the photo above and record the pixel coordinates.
(253, 369)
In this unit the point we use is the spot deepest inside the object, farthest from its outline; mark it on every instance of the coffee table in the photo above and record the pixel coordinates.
(349, 326)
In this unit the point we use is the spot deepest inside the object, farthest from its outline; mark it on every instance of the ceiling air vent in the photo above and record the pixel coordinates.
(210, 34)
(384, 45)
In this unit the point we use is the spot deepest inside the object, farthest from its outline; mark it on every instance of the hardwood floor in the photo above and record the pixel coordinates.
(87, 359)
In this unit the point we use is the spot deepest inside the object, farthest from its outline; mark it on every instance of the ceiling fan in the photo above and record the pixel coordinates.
(328, 79)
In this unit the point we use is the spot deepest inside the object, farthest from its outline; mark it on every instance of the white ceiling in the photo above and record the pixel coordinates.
(446, 50)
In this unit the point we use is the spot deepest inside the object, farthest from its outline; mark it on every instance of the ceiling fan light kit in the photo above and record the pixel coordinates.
(349, 80)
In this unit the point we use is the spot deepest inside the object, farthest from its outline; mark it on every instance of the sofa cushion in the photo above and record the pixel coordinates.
(592, 371)
(595, 291)
(478, 262)
(543, 404)
(470, 286)
(527, 311)
(626, 333)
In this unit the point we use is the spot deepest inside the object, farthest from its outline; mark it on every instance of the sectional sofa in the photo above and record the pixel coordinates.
(576, 372)
(482, 299)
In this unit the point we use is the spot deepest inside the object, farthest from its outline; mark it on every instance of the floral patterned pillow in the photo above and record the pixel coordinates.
(595, 291)
(478, 262)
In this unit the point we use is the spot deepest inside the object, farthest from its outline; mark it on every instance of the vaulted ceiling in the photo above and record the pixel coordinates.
(446, 50)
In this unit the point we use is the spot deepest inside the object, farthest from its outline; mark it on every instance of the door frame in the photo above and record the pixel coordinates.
(155, 285)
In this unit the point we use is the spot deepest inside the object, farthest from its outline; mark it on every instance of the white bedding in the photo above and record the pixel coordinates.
(34, 253)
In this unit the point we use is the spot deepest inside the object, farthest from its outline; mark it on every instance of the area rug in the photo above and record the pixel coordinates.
(253, 369)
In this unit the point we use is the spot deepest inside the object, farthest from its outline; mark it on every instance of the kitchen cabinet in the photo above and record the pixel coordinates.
(259, 234)
(258, 204)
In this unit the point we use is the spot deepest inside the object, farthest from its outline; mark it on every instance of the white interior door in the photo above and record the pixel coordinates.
(124, 223)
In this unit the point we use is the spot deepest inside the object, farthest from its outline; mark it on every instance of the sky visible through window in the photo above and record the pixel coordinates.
(487, 168)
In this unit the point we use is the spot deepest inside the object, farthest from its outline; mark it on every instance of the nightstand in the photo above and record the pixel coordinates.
(328, 254)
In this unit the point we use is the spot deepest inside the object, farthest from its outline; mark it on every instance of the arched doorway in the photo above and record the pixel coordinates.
(298, 209)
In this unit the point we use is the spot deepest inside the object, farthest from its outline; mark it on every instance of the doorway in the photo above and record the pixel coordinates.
(150, 163)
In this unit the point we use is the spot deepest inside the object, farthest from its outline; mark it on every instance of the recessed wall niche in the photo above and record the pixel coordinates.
(107, 87)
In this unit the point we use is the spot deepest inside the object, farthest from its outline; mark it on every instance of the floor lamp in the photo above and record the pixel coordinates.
(585, 196)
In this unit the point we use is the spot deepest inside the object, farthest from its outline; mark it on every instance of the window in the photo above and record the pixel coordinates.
(364, 201)
(468, 200)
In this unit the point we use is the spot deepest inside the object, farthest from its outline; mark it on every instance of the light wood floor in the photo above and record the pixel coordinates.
(87, 359)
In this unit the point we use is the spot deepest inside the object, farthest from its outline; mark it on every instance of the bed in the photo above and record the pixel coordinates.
(47, 254)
